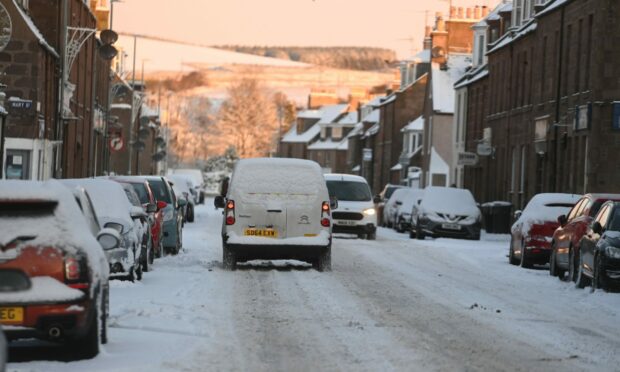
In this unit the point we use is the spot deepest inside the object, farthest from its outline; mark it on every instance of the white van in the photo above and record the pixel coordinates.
(276, 209)
(355, 213)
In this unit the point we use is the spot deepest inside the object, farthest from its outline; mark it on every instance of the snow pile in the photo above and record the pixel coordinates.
(449, 200)
(109, 199)
(546, 208)
(264, 179)
(43, 287)
(65, 228)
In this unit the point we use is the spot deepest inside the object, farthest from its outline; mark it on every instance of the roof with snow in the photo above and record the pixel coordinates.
(35, 30)
(443, 80)
(326, 114)
(472, 76)
(510, 37)
(553, 5)
(372, 130)
(305, 137)
(330, 144)
(349, 119)
(373, 117)
(332, 112)
(414, 125)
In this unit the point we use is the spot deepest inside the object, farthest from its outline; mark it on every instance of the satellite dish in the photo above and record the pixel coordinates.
(108, 37)
(107, 52)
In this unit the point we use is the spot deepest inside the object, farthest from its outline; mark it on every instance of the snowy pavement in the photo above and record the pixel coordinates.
(389, 304)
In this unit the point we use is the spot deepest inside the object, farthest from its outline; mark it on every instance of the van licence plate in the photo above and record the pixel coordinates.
(11, 315)
(264, 233)
(345, 222)
(451, 226)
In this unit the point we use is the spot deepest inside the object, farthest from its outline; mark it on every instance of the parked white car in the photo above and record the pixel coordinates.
(405, 202)
(390, 211)
(356, 213)
(447, 212)
(115, 211)
(198, 181)
(183, 188)
(276, 209)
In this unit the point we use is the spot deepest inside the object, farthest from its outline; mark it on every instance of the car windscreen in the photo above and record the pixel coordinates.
(25, 209)
(349, 190)
(614, 222)
(390, 190)
(142, 192)
(160, 190)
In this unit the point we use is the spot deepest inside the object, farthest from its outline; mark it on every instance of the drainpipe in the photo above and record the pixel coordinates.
(58, 171)
(558, 97)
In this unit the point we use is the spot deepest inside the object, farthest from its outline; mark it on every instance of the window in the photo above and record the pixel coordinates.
(588, 52)
(578, 59)
(323, 133)
(481, 47)
(574, 212)
(517, 13)
(603, 215)
(337, 133)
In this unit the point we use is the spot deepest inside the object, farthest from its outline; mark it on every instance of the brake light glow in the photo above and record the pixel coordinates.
(72, 268)
(230, 212)
(325, 212)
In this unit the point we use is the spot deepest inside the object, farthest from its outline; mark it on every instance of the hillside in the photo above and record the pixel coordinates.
(350, 58)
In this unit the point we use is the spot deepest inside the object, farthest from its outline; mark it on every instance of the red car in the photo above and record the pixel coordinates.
(156, 214)
(45, 240)
(531, 235)
(565, 243)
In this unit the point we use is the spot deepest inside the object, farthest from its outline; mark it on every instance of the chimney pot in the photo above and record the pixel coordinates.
(477, 12)
(485, 11)
(459, 13)
(468, 15)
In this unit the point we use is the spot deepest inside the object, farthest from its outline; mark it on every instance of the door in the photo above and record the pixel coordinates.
(590, 239)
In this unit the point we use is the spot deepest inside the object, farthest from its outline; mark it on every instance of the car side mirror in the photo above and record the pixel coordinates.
(562, 220)
(13, 280)
(137, 212)
(219, 202)
(377, 199)
(182, 203)
(597, 228)
(518, 214)
(151, 208)
(109, 238)
(333, 202)
(161, 205)
(419, 201)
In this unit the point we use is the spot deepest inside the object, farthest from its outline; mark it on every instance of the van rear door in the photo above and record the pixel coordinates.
(261, 214)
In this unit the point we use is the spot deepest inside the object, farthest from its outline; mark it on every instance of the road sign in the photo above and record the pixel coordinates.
(117, 144)
(468, 159)
(484, 149)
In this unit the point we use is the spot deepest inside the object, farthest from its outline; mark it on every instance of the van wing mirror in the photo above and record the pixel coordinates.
(562, 220)
(518, 214)
(597, 228)
(219, 202)
(151, 208)
(333, 202)
(377, 199)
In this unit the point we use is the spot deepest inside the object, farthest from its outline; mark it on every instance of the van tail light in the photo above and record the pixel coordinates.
(230, 212)
(325, 212)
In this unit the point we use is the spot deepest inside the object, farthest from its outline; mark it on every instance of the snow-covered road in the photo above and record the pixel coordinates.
(389, 304)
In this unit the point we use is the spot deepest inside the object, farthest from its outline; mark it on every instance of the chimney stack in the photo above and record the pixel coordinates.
(440, 23)
(452, 12)
(485, 11)
(477, 12)
(468, 14)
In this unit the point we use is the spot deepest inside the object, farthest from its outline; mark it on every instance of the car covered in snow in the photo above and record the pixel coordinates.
(45, 239)
(150, 206)
(532, 233)
(598, 263)
(198, 181)
(356, 213)
(182, 188)
(381, 200)
(172, 213)
(403, 201)
(573, 226)
(142, 224)
(276, 209)
(114, 211)
(11, 281)
(447, 212)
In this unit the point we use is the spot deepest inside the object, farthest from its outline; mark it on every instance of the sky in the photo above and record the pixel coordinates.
(386, 23)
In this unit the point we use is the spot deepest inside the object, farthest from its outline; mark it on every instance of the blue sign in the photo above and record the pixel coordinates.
(616, 119)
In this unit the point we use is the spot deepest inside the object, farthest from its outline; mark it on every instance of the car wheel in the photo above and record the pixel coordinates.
(419, 234)
(139, 272)
(145, 258)
(371, 236)
(229, 259)
(572, 265)
(190, 213)
(411, 234)
(599, 280)
(554, 270)
(324, 261)
(105, 305)
(511, 254)
(87, 347)
(151, 253)
(582, 280)
(525, 260)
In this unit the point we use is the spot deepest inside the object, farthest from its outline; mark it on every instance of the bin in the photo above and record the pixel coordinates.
(497, 217)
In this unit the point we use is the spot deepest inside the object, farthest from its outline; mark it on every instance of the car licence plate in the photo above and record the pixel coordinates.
(451, 226)
(11, 315)
(264, 233)
(345, 223)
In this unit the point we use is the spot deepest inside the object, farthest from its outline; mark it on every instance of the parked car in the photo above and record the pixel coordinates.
(173, 217)
(401, 205)
(114, 211)
(152, 207)
(566, 238)
(532, 233)
(380, 200)
(276, 209)
(142, 226)
(182, 187)
(198, 180)
(447, 212)
(44, 236)
(11, 281)
(599, 254)
(356, 212)
(390, 206)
